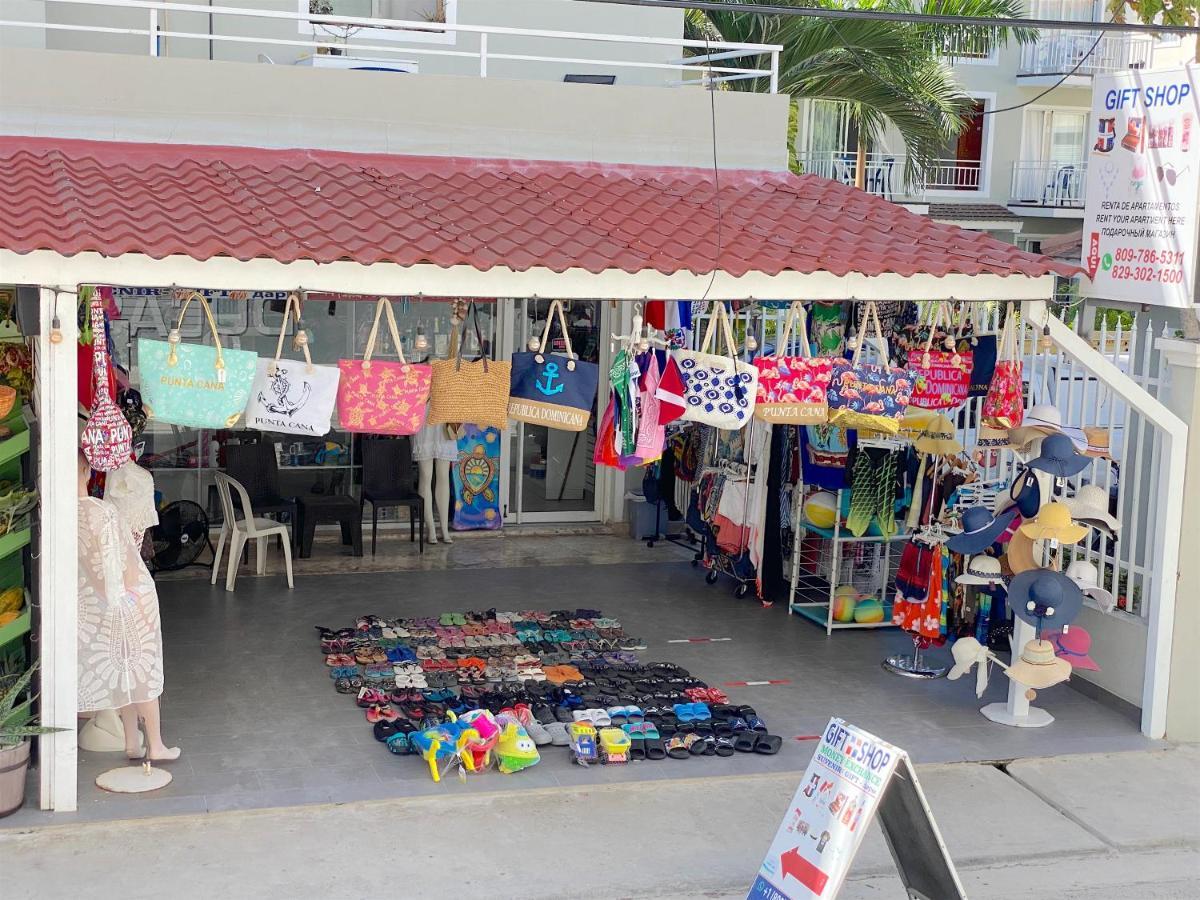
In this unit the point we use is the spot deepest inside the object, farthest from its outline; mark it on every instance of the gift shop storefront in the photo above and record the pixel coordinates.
(516, 301)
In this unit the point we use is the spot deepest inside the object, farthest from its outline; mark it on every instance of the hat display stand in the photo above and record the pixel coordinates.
(1016, 711)
(913, 666)
(137, 779)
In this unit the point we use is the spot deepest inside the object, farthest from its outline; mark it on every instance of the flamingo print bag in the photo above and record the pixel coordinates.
(289, 396)
(792, 389)
(866, 395)
(382, 397)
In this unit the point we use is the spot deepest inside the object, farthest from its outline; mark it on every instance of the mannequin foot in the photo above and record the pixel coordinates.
(432, 539)
(164, 754)
(447, 539)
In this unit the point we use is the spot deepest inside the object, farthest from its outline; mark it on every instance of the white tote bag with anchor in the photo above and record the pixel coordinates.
(290, 396)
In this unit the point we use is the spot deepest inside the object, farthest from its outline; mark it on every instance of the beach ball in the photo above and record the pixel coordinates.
(845, 598)
(868, 611)
(821, 509)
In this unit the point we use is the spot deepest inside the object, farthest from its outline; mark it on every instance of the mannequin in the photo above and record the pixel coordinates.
(120, 642)
(434, 449)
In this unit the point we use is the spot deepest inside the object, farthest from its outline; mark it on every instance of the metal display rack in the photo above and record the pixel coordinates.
(866, 562)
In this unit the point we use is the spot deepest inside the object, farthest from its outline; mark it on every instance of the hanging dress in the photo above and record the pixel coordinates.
(120, 641)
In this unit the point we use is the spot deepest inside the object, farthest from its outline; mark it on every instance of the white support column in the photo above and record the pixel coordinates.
(57, 542)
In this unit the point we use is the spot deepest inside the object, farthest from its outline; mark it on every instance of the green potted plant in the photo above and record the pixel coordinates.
(15, 731)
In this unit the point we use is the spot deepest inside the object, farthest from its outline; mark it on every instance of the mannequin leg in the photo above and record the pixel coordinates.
(155, 748)
(443, 500)
(133, 738)
(425, 488)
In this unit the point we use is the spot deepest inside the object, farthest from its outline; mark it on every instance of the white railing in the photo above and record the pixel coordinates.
(884, 175)
(1094, 53)
(1048, 183)
(977, 45)
(713, 61)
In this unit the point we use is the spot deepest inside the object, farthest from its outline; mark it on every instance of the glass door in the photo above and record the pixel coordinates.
(551, 475)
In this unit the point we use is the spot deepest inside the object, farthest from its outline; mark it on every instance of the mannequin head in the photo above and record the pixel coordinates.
(85, 473)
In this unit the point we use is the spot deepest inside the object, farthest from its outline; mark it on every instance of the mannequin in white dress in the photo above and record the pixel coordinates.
(434, 449)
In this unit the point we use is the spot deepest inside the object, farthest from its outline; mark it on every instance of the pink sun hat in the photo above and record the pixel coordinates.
(1073, 646)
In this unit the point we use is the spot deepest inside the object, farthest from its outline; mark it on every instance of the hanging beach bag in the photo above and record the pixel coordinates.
(866, 395)
(941, 378)
(719, 390)
(1004, 406)
(550, 389)
(289, 396)
(377, 397)
(791, 389)
(107, 438)
(194, 384)
(471, 392)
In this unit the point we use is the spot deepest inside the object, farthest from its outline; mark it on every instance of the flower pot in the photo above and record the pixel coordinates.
(14, 761)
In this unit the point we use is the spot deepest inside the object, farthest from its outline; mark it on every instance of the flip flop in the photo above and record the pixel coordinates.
(695, 744)
(637, 748)
(723, 746)
(768, 744)
(676, 748)
(745, 741)
(558, 734)
(655, 749)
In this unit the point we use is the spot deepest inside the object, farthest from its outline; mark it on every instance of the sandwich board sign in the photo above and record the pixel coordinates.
(852, 778)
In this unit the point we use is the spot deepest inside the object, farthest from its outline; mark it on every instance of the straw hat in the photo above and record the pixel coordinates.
(993, 439)
(981, 569)
(1097, 442)
(1087, 576)
(1090, 505)
(1044, 597)
(1073, 646)
(1059, 458)
(1040, 420)
(1053, 523)
(981, 529)
(939, 438)
(1039, 667)
(1022, 553)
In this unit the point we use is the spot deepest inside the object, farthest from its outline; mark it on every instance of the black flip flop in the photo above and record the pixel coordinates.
(698, 747)
(745, 741)
(768, 744)
(637, 748)
(723, 746)
(655, 749)
(676, 749)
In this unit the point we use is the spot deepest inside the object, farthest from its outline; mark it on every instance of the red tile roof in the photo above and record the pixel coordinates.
(159, 200)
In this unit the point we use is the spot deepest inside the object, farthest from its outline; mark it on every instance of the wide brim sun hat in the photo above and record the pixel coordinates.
(1054, 523)
(939, 438)
(1021, 553)
(1059, 458)
(1090, 505)
(1041, 420)
(1039, 667)
(1074, 645)
(1043, 597)
(980, 569)
(981, 529)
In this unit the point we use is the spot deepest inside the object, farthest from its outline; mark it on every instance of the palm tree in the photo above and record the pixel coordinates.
(885, 72)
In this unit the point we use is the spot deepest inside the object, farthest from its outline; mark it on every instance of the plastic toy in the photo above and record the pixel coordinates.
(515, 750)
(584, 750)
(445, 742)
(614, 746)
(845, 599)
(487, 735)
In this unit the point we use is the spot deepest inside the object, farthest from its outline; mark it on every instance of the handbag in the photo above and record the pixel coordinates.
(470, 391)
(1003, 407)
(983, 365)
(941, 378)
(107, 438)
(545, 390)
(718, 390)
(867, 395)
(288, 396)
(791, 389)
(376, 397)
(194, 384)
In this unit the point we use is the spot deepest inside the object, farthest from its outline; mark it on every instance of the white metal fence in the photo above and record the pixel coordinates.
(687, 62)
(1085, 53)
(1049, 183)
(884, 173)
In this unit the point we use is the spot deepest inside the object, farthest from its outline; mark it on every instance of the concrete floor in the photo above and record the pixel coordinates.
(249, 699)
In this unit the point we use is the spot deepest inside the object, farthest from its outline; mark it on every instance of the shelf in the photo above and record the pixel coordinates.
(17, 628)
(819, 613)
(13, 541)
(14, 447)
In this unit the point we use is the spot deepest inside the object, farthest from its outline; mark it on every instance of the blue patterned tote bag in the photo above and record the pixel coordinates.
(195, 385)
(719, 390)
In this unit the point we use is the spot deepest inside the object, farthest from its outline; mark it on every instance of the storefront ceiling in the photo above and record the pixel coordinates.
(250, 218)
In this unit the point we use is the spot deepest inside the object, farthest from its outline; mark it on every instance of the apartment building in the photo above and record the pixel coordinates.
(1018, 173)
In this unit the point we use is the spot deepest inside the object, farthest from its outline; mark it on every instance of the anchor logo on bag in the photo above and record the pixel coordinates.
(281, 387)
(549, 376)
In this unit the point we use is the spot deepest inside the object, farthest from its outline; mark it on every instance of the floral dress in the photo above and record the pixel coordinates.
(120, 642)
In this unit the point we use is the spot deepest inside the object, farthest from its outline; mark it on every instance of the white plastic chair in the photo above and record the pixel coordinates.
(247, 527)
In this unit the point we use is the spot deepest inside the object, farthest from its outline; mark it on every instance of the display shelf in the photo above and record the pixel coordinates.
(14, 541)
(19, 627)
(14, 447)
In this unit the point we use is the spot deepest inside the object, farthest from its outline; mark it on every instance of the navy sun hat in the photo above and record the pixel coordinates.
(1024, 493)
(1058, 457)
(980, 529)
(1044, 597)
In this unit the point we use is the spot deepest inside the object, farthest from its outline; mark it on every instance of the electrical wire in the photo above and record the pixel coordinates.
(1055, 86)
(712, 104)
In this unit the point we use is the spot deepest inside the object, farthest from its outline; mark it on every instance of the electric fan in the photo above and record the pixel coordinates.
(179, 537)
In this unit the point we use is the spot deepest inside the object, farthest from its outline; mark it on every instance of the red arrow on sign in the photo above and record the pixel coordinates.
(1093, 257)
(792, 863)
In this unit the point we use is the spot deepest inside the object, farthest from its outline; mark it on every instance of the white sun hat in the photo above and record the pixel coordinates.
(1090, 506)
(1040, 420)
(1087, 576)
(981, 569)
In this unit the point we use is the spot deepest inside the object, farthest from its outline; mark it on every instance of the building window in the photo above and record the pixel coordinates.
(962, 162)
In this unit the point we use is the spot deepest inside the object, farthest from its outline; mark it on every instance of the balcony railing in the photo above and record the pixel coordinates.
(1047, 183)
(884, 174)
(150, 27)
(1085, 53)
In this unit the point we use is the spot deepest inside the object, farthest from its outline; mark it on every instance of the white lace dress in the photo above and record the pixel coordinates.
(120, 642)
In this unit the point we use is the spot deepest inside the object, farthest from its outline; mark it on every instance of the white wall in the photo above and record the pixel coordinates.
(138, 98)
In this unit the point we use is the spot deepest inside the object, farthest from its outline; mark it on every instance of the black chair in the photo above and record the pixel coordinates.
(256, 468)
(388, 481)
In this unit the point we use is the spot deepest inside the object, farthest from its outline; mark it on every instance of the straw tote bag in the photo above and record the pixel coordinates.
(1004, 407)
(376, 397)
(548, 389)
(792, 389)
(718, 390)
(107, 438)
(866, 395)
(289, 396)
(471, 392)
(194, 384)
(941, 378)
